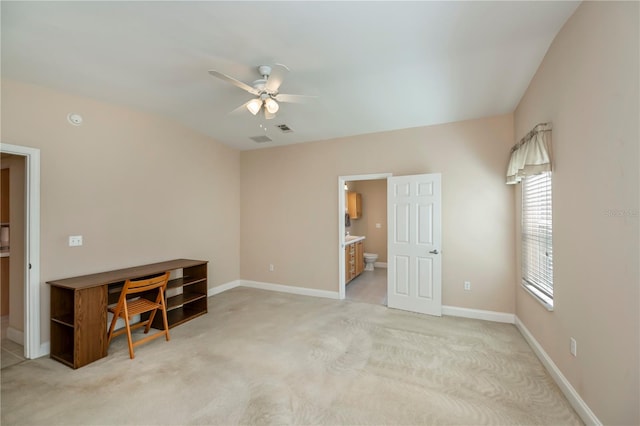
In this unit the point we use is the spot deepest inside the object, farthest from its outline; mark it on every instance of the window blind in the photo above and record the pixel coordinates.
(537, 247)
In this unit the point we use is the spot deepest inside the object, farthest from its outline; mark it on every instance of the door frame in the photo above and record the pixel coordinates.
(342, 180)
(32, 346)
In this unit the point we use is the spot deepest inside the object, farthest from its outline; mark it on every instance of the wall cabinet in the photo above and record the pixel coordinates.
(354, 260)
(354, 205)
(79, 306)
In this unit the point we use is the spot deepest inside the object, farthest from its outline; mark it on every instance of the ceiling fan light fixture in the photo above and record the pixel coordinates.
(271, 105)
(254, 106)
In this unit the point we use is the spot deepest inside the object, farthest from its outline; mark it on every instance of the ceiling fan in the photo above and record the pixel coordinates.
(265, 89)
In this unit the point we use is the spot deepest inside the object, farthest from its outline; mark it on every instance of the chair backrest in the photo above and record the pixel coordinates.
(145, 284)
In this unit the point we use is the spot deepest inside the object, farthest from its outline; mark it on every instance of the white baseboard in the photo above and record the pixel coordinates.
(291, 289)
(380, 265)
(569, 391)
(446, 310)
(273, 287)
(15, 335)
(223, 287)
(494, 316)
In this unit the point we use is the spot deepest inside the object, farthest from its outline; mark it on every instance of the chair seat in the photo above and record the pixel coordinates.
(139, 306)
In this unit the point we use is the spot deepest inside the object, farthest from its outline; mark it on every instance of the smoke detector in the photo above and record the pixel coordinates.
(75, 119)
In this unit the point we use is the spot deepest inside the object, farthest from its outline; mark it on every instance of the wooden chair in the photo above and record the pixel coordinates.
(127, 308)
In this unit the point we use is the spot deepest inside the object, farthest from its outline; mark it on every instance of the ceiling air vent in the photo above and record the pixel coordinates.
(284, 128)
(261, 139)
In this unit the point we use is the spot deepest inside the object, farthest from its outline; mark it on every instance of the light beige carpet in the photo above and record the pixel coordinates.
(264, 358)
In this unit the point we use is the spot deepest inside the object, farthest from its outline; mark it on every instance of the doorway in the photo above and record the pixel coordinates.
(24, 247)
(366, 286)
(12, 218)
(414, 240)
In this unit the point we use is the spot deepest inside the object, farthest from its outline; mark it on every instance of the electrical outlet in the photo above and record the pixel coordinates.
(467, 285)
(271, 267)
(574, 347)
(75, 240)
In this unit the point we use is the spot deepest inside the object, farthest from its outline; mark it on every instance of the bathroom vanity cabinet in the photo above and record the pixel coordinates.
(354, 205)
(354, 260)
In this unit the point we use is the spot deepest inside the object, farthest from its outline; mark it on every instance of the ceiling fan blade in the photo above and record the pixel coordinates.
(233, 81)
(278, 72)
(296, 99)
(241, 108)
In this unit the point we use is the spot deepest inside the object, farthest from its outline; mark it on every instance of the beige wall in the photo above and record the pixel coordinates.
(290, 206)
(138, 187)
(587, 86)
(374, 210)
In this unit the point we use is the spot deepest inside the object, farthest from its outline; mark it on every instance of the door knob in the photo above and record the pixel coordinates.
(434, 251)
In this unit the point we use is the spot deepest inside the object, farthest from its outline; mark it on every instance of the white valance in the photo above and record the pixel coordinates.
(532, 155)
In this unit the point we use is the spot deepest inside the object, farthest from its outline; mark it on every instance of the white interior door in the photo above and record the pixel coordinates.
(414, 274)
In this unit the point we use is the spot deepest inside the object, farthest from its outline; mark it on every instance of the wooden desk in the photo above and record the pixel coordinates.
(79, 306)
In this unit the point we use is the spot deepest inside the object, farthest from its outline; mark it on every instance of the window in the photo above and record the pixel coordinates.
(537, 247)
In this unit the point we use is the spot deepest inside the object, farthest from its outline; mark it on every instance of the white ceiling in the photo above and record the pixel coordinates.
(374, 66)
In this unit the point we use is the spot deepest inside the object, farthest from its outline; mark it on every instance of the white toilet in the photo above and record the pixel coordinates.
(369, 260)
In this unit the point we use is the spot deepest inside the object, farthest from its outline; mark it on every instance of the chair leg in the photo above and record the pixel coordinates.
(164, 319)
(116, 314)
(150, 320)
(159, 300)
(130, 340)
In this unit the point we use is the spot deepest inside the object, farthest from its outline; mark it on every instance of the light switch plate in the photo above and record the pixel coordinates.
(75, 240)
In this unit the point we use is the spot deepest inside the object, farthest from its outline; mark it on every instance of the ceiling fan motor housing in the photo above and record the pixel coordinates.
(260, 84)
(265, 71)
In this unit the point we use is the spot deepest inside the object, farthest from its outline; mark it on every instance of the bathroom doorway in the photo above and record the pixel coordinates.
(414, 230)
(369, 228)
(23, 322)
(12, 257)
